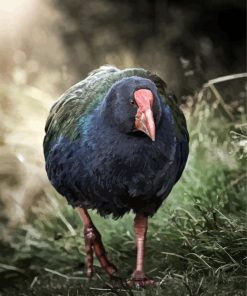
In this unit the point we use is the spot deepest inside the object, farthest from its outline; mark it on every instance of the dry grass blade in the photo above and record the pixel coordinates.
(34, 282)
(63, 275)
(220, 100)
(225, 78)
(176, 255)
(10, 267)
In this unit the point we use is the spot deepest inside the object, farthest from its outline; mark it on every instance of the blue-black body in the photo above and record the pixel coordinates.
(102, 167)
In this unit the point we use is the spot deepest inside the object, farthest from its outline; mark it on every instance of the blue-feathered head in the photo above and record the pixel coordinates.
(133, 104)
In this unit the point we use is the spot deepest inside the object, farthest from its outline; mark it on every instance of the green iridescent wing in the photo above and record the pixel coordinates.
(76, 103)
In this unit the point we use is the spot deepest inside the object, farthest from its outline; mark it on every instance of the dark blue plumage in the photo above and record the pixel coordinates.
(97, 159)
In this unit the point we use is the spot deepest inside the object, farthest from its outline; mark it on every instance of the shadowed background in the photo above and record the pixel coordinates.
(46, 46)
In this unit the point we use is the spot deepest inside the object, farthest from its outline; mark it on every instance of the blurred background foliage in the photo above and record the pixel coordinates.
(197, 241)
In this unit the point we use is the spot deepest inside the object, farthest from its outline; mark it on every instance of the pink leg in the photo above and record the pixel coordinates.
(94, 243)
(138, 277)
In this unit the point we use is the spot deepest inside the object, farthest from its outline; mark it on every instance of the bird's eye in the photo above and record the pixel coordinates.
(132, 102)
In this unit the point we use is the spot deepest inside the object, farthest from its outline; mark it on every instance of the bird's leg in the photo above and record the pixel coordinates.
(138, 277)
(94, 243)
(89, 237)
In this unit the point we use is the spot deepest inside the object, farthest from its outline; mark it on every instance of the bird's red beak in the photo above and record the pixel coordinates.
(144, 116)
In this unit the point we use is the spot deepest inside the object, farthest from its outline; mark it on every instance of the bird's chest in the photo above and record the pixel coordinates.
(136, 168)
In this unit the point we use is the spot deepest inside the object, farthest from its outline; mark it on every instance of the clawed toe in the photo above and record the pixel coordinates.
(112, 269)
(139, 279)
(90, 273)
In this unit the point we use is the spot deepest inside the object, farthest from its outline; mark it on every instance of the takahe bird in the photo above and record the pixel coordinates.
(115, 142)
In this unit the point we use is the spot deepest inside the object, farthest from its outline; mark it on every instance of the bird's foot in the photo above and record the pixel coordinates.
(139, 279)
(93, 244)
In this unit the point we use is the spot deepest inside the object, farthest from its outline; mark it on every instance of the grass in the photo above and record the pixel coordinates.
(196, 242)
